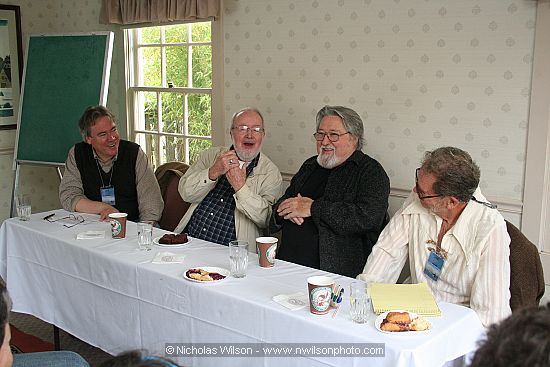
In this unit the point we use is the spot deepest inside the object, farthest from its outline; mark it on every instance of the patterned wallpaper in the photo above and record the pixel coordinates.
(56, 16)
(421, 73)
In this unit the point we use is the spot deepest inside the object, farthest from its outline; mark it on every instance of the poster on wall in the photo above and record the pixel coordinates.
(11, 61)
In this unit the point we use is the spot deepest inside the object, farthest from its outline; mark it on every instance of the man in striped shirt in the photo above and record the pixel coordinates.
(454, 239)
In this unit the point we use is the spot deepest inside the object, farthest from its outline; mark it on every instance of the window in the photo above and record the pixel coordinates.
(169, 90)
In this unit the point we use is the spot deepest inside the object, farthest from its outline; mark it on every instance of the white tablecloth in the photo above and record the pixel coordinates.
(109, 294)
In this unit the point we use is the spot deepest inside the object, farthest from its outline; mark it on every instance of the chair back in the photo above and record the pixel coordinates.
(168, 176)
(526, 274)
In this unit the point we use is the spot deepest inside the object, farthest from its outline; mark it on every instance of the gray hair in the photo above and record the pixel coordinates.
(246, 109)
(351, 120)
(90, 116)
(456, 173)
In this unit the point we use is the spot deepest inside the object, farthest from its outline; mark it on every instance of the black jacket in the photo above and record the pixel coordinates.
(350, 214)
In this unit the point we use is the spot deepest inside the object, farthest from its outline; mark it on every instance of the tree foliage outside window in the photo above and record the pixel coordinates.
(172, 90)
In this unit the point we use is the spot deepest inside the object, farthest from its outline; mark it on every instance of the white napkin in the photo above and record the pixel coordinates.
(168, 258)
(295, 301)
(90, 235)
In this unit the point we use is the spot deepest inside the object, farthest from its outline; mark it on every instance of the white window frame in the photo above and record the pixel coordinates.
(216, 92)
(536, 202)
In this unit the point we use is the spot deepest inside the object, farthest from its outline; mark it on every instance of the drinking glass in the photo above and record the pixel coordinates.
(238, 258)
(23, 203)
(145, 235)
(360, 302)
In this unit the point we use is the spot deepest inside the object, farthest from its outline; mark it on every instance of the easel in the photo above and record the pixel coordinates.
(55, 93)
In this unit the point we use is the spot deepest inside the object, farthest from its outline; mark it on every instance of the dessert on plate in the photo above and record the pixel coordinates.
(173, 239)
(203, 275)
(402, 321)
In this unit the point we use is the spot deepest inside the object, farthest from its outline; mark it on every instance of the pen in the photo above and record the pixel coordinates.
(334, 292)
(48, 216)
(339, 299)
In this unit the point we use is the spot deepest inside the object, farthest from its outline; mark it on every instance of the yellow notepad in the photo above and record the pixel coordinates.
(410, 297)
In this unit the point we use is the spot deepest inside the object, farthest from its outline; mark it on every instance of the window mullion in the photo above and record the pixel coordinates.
(189, 56)
(186, 124)
(160, 128)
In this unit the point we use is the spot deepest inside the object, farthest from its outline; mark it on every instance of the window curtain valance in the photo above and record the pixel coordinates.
(156, 11)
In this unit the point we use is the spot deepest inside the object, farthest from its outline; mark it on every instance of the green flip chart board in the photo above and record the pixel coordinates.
(63, 74)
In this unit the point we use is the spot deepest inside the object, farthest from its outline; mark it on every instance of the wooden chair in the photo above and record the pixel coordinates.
(526, 274)
(168, 176)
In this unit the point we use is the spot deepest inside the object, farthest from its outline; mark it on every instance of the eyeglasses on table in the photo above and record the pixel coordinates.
(77, 219)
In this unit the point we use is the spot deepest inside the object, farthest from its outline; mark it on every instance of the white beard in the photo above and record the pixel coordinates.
(246, 156)
(328, 161)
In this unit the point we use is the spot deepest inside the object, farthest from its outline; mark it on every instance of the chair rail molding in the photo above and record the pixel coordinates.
(7, 151)
(504, 205)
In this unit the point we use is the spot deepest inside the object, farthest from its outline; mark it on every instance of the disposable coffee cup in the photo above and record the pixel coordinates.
(320, 293)
(267, 248)
(118, 224)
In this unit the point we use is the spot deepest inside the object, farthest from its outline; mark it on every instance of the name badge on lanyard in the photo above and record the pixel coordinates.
(434, 265)
(108, 195)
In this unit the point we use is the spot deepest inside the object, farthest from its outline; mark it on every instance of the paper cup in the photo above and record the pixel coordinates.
(267, 247)
(320, 293)
(118, 224)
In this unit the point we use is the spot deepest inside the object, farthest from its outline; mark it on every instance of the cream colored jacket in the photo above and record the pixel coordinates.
(253, 201)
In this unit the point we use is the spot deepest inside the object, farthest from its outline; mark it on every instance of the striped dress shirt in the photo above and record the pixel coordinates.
(476, 272)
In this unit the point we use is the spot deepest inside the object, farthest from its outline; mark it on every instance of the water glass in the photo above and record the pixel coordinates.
(238, 258)
(145, 235)
(23, 203)
(360, 302)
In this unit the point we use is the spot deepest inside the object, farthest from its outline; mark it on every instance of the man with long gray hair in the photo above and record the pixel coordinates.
(455, 240)
(334, 209)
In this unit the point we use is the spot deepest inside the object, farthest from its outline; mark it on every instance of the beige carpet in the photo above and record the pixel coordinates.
(32, 325)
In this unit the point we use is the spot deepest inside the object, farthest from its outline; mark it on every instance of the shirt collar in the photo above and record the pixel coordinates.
(462, 229)
(250, 165)
(109, 162)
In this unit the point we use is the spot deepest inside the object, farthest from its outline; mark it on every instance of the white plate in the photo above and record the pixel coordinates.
(210, 269)
(156, 242)
(412, 315)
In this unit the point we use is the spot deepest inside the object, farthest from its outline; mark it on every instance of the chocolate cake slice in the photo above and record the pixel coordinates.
(174, 239)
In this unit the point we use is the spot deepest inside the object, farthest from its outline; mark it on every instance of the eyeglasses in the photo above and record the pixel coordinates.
(419, 192)
(488, 205)
(245, 129)
(104, 135)
(333, 137)
(71, 218)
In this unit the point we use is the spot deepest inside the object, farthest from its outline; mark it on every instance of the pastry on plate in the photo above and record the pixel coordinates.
(173, 239)
(203, 275)
(401, 321)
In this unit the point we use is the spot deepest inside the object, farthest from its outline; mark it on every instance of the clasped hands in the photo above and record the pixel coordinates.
(295, 209)
(227, 164)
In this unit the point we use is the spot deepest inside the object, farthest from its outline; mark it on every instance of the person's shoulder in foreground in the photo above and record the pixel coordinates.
(522, 339)
(138, 358)
(40, 359)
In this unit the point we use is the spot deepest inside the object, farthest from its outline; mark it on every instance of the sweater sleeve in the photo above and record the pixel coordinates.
(361, 211)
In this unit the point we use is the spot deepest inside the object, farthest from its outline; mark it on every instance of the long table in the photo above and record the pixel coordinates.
(109, 294)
